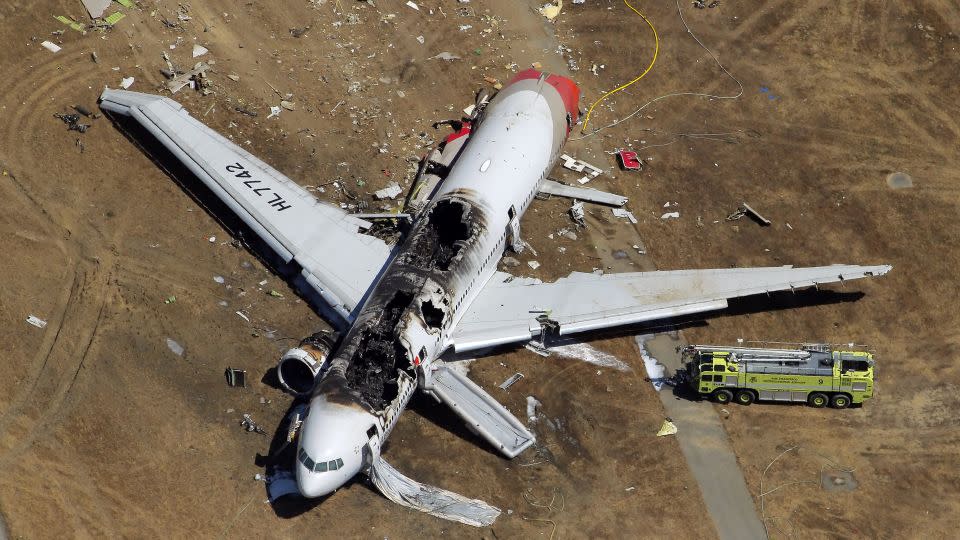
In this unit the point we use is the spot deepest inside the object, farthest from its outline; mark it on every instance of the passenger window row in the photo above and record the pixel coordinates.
(319, 466)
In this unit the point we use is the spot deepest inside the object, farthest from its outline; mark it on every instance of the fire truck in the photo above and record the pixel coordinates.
(815, 374)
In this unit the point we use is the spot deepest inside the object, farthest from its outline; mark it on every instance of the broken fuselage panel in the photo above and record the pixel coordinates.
(453, 249)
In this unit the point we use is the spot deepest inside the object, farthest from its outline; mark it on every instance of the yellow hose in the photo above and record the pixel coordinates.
(656, 51)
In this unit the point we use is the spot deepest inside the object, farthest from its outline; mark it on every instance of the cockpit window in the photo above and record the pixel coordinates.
(319, 466)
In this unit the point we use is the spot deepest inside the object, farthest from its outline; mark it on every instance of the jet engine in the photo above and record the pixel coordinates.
(299, 367)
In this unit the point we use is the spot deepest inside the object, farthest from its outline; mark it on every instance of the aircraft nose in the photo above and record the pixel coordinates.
(312, 486)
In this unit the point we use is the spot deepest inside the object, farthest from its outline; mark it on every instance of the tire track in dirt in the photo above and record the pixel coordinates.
(43, 404)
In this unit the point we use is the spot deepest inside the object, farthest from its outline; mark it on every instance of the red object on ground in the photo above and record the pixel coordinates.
(629, 160)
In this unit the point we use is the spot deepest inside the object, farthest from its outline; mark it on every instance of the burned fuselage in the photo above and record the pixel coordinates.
(410, 314)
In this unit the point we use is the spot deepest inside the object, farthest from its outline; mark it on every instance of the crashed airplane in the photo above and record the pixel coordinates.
(400, 307)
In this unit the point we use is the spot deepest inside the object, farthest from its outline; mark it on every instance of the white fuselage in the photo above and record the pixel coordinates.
(448, 256)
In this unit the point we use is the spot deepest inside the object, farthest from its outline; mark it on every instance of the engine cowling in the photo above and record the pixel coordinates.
(299, 367)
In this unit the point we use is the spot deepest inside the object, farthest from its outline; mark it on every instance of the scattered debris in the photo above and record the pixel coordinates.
(389, 192)
(275, 293)
(194, 78)
(701, 4)
(624, 213)
(668, 428)
(629, 160)
(447, 56)
(550, 11)
(236, 377)
(746, 210)
(274, 111)
(510, 262)
(838, 481)
(670, 215)
(511, 380)
(533, 264)
(126, 82)
(576, 213)
(413, 5)
(420, 40)
(532, 405)
(288, 105)
(170, 300)
(175, 347)
(300, 32)
(580, 166)
(899, 180)
(36, 321)
(199, 50)
(96, 8)
(79, 27)
(50, 46)
(250, 425)
(73, 122)
(219, 279)
(243, 316)
(113, 19)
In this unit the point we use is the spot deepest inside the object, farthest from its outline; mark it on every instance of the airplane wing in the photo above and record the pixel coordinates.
(507, 308)
(334, 258)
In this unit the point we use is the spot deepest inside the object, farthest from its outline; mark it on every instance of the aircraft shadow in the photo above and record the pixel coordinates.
(441, 416)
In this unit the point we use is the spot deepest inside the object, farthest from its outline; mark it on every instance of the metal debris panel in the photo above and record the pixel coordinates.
(507, 310)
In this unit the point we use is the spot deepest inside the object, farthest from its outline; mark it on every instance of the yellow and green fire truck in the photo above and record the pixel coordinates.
(813, 374)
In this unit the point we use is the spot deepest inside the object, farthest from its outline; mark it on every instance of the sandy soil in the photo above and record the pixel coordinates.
(105, 431)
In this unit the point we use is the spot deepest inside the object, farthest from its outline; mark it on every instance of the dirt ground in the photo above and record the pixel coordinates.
(104, 431)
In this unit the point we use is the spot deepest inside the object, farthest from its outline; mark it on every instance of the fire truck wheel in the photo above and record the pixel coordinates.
(818, 400)
(840, 401)
(745, 397)
(722, 396)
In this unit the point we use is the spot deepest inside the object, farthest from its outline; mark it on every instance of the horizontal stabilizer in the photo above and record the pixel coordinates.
(482, 413)
(582, 194)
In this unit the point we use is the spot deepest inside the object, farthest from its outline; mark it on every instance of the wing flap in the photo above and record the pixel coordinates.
(337, 260)
(507, 308)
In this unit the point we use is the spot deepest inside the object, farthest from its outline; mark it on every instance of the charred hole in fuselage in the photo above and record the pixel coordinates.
(432, 315)
(373, 371)
(448, 222)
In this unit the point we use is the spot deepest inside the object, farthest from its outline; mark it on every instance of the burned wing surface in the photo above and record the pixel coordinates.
(513, 310)
(300, 230)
